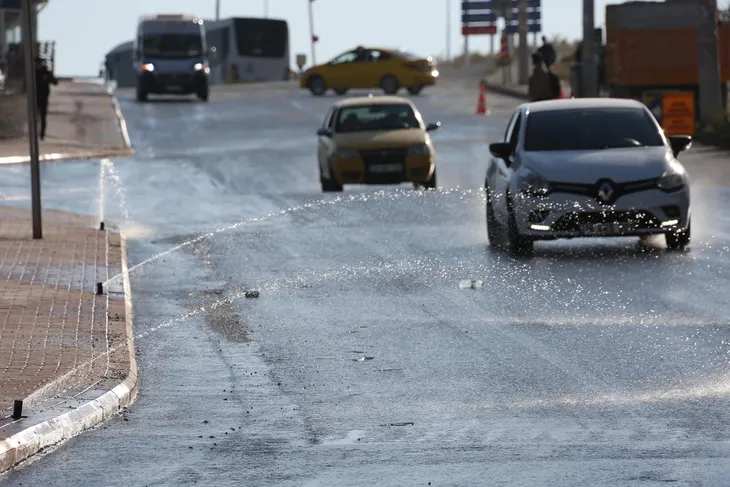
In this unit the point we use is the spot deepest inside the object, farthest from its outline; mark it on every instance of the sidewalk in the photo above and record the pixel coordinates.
(84, 122)
(61, 345)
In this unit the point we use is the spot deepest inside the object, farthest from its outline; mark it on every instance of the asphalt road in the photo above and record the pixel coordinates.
(597, 362)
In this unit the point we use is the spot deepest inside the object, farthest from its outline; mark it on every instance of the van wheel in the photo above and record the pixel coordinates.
(317, 86)
(390, 85)
(203, 94)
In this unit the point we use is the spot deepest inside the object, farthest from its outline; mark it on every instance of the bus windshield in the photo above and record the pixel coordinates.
(262, 38)
(173, 46)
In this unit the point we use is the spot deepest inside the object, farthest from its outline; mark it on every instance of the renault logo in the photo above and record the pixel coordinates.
(605, 192)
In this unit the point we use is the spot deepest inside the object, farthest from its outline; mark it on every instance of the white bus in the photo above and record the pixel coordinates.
(248, 50)
(170, 56)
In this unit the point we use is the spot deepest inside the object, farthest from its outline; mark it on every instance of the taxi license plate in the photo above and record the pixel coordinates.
(606, 228)
(385, 168)
(174, 87)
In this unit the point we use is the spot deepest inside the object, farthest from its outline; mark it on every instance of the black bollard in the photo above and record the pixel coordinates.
(17, 409)
(99, 288)
(101, 226)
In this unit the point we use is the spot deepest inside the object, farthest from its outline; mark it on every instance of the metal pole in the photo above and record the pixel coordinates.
(524, 52)
(217, 10)
(311, 31)
(448, 30)
(588, 56)
(35, 170)
(710, 92)
(3, 35)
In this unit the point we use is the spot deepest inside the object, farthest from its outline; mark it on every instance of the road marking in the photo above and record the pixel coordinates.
(296, 105)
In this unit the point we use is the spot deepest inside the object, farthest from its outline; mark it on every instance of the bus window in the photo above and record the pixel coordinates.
(219, 38)
(262, 38)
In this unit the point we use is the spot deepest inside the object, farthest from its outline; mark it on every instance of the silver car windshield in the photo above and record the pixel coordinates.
(591, 129)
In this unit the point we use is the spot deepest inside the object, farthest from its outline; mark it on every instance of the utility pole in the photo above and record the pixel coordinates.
(710, 94)
(588, 55)
(448, 30)
(311, 31)
(523, 66)
(217, 10)
(30, 83)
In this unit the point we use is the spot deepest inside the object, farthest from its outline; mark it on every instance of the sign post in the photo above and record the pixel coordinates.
(477, 18)
(301, 61)
(30, 83)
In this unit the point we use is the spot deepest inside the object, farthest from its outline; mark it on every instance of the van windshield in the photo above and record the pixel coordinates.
(173, 46)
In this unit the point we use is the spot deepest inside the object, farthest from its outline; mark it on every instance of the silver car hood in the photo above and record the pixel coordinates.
(618, 165)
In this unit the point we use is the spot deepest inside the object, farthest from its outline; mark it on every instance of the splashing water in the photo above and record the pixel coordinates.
(109, 169)
(355, 198)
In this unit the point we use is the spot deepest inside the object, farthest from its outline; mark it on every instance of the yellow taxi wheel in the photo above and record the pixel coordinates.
(429, 184)
(390, 84)
(341, 91)
(414, 90)
(317, 85)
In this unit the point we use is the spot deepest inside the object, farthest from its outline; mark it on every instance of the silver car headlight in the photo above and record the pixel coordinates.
(419, 150)
(533, 184)
(673, 178)
(347, 154)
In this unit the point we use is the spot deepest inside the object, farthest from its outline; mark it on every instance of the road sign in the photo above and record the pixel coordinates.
(513, 27)
(478, 17)
(678, 113)
(10, 4)
(473, 30)
(301, 60)
(486, 5)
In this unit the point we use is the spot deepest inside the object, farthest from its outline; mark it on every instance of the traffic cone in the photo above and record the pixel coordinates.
(482, 103)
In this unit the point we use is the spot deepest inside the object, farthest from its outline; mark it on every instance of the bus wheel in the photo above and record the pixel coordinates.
(317, 86)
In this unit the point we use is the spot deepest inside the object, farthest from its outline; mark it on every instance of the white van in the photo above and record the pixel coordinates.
(171, 56)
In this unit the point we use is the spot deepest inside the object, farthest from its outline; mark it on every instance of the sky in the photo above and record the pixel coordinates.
(85, 30)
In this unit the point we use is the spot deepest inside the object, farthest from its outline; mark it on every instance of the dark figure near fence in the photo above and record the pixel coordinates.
(43, 81)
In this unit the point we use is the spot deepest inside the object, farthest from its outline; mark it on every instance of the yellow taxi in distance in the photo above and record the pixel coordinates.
(375, 140)
(368, 68)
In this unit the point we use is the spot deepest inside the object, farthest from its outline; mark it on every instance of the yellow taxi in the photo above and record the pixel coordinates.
(375, 140)
(368, 68)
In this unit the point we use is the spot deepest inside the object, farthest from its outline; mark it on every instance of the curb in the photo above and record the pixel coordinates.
(120, 119)
(30, 441)
(91, 154)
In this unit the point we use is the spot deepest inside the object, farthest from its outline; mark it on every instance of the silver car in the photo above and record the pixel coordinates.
(586, 168)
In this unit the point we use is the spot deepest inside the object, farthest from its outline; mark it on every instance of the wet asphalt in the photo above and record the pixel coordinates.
(597, 362)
